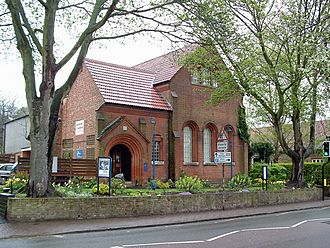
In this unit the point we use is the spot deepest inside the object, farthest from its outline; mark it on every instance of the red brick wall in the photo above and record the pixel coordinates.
(81, 103)
(190, 105)
(84, 102)
(111, 112)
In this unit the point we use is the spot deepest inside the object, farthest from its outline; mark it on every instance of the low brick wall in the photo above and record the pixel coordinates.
(37, 209)
(3, 203)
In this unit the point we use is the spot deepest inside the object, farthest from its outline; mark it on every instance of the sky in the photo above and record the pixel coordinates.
(129, 53)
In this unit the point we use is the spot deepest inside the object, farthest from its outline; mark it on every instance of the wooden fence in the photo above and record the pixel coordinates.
(7, 158)
(66, 169)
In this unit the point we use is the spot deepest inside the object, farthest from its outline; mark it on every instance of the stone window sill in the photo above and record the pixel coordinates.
(209, 164)
(191, 163)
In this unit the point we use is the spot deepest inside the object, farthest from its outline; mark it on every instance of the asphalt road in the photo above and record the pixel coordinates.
(303, 229)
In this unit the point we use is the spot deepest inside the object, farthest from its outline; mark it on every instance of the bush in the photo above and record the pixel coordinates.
(162, 185)
(190, 184)
(117, 186)
(91, 183)
(276, 172)
(240, 181)
(19, 182)
(313, 172)
(103, 189)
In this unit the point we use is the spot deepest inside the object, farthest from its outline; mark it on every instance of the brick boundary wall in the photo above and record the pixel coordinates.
(40, 209)
(3, 203)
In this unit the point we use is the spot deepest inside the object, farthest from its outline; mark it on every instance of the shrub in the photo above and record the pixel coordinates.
(18, 182)
(162, 185)
(117, 186)
(240, 181)
(103, 189)
(91, 183)
(190, 184)
(276, 172)
(313, 172)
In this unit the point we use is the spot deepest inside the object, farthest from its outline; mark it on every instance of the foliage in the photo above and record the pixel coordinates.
(39, 30)
(163, 185)
(277, 54)
(313, 172)
(90, 183)
(263, 150)
(190, 184)
(276, 172)
(242, 127)
(18, 182)
(68, 190)
(240, 181)
(103, 189)
(117, 185)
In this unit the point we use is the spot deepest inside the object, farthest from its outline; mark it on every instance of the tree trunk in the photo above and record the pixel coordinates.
(39, 133)
(297, 172)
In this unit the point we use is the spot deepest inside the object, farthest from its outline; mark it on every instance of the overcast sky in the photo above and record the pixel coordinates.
(128, 54)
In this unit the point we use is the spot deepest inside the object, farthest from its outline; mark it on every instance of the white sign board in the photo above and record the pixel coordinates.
(54, 165)
(222, 145)
(80, 127)
(104, 167)
(224, 157)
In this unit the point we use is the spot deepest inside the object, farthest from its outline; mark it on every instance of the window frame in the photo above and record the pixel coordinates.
(193, 150)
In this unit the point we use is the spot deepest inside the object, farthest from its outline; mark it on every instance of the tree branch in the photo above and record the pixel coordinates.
(27, 25)
(42, 3)
(92, 27)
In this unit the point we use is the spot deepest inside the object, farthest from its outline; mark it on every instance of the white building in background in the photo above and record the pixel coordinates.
(15, 135)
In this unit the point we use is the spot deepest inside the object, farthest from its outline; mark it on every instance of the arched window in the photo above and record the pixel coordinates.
(187, 144)
(209, 142)
(207, 145)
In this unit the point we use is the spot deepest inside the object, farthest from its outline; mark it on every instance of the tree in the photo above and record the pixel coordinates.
(263, 150)
(278, 55)
(36, 28)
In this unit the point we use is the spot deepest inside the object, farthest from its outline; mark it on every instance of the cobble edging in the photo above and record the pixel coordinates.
(39, 209)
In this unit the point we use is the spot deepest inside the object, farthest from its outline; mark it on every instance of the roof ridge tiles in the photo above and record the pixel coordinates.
(98, 62)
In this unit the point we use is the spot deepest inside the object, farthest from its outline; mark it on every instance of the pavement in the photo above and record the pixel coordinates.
(59, 227)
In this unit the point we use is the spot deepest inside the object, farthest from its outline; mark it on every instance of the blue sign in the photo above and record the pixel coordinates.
(145, 167)
(79, 154)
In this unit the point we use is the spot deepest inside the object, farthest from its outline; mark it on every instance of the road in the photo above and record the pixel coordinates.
(297, 229)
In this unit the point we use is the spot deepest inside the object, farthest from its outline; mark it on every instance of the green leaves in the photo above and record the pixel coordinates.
(190, 184)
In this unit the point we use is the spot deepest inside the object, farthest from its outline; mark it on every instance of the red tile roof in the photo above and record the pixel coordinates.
(125, 85)
(164, 67)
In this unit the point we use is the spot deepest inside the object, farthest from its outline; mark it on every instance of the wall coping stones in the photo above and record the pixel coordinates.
(39, 209)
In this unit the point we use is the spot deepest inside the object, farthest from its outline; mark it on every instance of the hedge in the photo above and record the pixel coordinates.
(313, 172)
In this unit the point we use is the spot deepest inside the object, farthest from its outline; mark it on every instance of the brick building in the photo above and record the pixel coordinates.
(113, 110)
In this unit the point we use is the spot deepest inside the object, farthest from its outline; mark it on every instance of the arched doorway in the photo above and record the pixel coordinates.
(121, 161)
